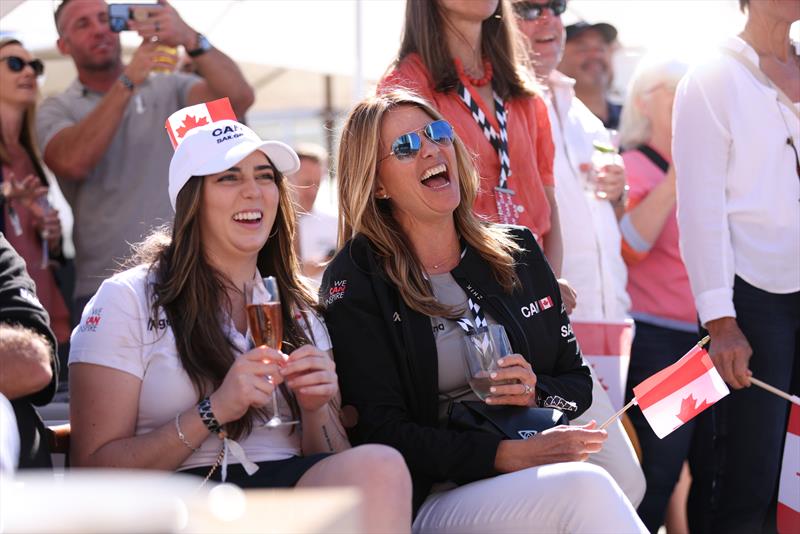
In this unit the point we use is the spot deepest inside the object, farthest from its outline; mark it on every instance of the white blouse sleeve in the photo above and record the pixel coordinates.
(701, 148)
(110, 331)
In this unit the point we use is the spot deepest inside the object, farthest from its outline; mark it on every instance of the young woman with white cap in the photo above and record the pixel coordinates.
(162, 374)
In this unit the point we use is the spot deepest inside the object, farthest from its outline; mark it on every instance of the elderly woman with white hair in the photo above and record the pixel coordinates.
(661, 299)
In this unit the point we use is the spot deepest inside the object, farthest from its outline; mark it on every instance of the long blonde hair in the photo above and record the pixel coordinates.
(27, 134)
(362, 213)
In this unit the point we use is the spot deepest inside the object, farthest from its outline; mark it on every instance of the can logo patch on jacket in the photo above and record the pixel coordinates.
(537, 306)
(336, 291)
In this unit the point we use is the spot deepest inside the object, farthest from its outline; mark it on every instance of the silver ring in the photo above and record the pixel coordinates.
(528, 389)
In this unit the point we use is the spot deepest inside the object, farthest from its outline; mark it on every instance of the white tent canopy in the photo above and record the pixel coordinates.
(274, 39)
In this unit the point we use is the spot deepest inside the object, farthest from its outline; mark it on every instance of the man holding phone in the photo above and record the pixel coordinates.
(101, 136)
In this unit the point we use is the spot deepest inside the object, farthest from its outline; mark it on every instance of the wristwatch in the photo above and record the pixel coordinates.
(203, 46)
(124, 80)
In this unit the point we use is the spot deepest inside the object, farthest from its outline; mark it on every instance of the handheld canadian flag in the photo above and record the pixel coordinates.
(607, 348)
(789, 489)
(674, 395)
(183, 120)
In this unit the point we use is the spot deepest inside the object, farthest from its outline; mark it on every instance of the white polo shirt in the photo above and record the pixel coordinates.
(117, 331)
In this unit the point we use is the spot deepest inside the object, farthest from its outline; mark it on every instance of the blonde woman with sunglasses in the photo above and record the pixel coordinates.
(414, 255)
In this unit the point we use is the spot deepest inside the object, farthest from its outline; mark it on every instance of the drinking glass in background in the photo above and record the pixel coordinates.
(482, 349)
(263, 306)
(166, 59)
(604, 154)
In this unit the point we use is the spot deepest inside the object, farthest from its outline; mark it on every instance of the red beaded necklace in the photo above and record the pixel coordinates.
(476, 82)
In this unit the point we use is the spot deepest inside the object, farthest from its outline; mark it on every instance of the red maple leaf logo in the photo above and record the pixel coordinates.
(190, 122)
(690, 408)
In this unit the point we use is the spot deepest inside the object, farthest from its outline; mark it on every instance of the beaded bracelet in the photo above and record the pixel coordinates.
(208, 418)
(180, 433)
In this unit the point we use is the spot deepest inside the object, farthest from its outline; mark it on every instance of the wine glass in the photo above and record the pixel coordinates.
(263, 305)
(483, 348)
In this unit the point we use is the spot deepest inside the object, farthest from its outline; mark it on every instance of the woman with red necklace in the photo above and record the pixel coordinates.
(465, 59)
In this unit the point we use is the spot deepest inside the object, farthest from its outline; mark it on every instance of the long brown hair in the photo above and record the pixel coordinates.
(27, 135)
(501, 43)
(191, 292)
(362, 213)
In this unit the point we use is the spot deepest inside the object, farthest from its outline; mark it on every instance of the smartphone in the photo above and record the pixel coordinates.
(120, 14)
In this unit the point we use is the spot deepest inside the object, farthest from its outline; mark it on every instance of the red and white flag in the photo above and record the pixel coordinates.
(789, 489)
(674, 395)
(190, 117)
(607, 348)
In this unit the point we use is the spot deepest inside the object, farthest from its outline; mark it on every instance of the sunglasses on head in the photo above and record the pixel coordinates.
(532, 11)
(407, 145)
(16, 64)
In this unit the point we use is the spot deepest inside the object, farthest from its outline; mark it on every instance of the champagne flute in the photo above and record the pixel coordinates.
(263, 306)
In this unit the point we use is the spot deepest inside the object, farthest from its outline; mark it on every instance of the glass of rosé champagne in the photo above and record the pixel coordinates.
(263, 304)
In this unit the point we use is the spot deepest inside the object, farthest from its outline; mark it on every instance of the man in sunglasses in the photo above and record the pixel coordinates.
(592, 258)
(100, 136)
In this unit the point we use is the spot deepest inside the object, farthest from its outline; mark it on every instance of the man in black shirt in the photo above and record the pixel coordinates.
(29, 367)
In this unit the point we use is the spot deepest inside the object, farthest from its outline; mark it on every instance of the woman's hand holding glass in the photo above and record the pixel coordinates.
(311, 375)
(513, 383)
(249, 383)
(24, 190)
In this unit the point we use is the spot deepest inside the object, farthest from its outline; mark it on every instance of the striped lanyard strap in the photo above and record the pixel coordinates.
(507, 211)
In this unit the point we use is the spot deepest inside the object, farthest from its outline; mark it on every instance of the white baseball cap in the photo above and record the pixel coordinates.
(217, 146)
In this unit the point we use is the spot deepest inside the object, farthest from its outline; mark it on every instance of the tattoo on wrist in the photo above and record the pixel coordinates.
(327, 438)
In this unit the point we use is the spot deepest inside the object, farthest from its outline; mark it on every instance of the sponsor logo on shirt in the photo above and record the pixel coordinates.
(336, 292)
(537, 306)
(92, 321)
(438, 328)
(566, 331)
(161, 324)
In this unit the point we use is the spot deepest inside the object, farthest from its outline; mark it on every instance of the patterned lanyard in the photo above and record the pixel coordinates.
(480, 319)
(506, 210)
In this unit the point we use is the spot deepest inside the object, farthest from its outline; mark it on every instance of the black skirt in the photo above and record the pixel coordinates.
(275, 474)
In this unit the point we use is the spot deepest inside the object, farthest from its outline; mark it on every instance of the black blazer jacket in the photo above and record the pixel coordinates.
(387, 361)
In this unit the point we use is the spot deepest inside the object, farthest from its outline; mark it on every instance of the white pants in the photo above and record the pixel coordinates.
(617, 455)
(566, 497)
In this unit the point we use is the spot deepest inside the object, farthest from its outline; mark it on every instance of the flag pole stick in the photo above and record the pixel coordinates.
(703, 341)
(794, 399)
(616, 415)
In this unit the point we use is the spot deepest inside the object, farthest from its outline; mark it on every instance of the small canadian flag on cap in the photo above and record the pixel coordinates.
(190, 117)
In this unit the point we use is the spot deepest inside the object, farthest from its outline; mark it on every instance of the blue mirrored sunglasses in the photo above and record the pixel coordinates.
(407, 145)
